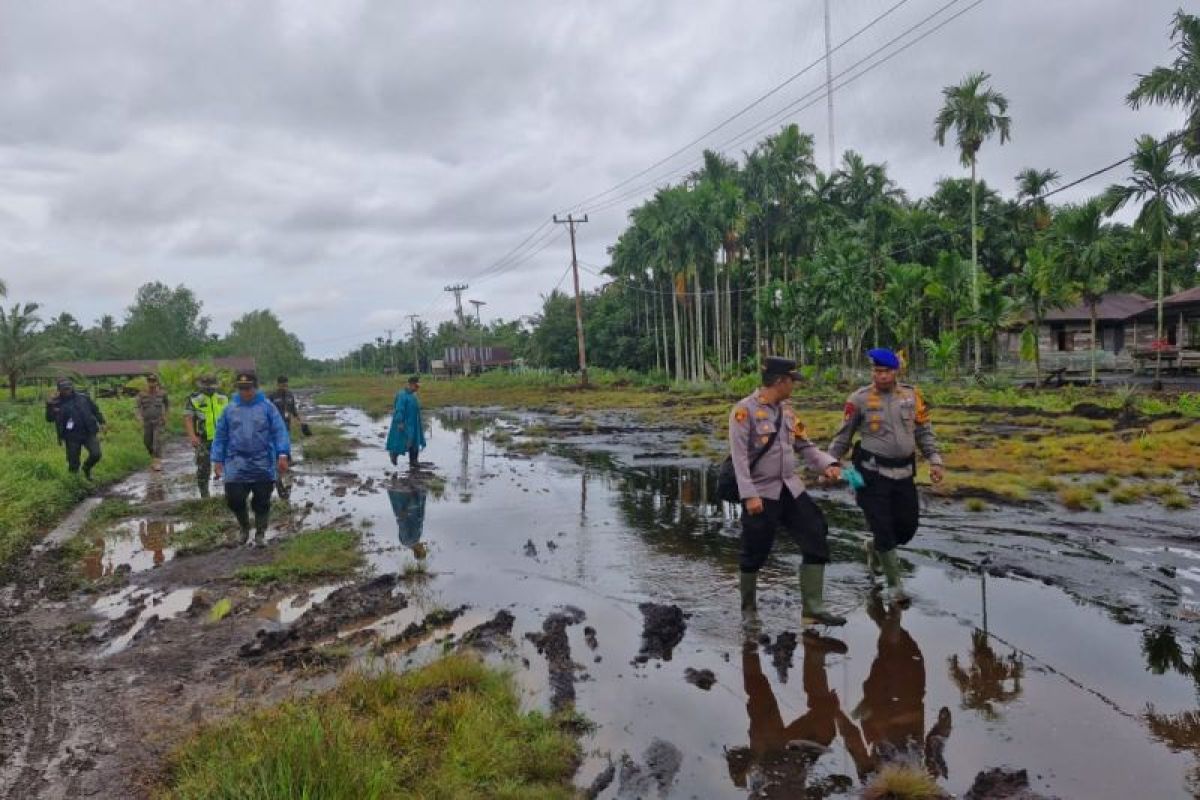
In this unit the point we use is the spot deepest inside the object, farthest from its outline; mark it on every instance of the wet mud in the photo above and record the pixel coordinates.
(1055, 643)
(662, 630)
(366, 601)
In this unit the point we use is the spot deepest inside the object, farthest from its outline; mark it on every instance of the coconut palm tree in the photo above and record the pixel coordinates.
(975, 112)
(22, 348)
(1178, 84)
(1161, 190)
(1085, 247)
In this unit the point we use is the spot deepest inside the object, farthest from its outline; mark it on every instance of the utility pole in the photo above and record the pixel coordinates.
(829, 89)
(458, 289)
(412, 326)
(571, 222)
(391, 350)
(479, 322)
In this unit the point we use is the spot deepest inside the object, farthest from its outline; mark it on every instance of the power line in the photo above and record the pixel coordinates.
(800, 104)
(757, 101)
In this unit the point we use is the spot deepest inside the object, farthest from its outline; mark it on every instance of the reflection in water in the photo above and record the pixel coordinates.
(990, 679)
(1163, 653)
(154, 535)
(93, 561)
(892, 711)
(670, 499)
(777, 762)
(408, 505)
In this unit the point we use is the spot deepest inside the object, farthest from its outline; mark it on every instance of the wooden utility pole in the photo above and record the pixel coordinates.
(571, 222)
(458, 289)
(412, 326)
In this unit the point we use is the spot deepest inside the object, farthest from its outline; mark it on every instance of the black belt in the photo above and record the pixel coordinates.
(861, 454)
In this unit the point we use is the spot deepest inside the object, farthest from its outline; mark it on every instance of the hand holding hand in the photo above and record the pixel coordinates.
(833, 472)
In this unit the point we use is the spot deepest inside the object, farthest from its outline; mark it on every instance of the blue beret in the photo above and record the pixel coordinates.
(882, 357)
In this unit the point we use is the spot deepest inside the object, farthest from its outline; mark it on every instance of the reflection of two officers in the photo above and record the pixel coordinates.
(408, 505)
(888, 723)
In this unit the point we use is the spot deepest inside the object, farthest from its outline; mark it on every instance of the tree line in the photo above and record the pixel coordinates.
(161, 323)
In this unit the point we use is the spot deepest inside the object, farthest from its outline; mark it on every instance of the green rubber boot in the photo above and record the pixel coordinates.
(812, 593)
(748, 588)
(891, 570)
(873, 567)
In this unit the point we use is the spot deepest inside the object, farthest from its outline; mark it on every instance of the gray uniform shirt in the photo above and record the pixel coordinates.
(751, 423)
(893, 424)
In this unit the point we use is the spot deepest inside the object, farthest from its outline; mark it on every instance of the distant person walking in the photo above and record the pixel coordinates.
(200, 417)
(407, 434)
(284, 401)
(78, 422)
(764, 438)
(151, 409)
(892, 422)
(249, 451)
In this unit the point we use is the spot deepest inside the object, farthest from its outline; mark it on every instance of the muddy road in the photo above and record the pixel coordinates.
(590, 559)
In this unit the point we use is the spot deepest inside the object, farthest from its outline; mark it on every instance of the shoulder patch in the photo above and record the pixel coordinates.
(740, 414)
(851, 409)
(799, 430)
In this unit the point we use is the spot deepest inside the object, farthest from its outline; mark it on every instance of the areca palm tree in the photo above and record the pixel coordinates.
(22, 348)
(1084, 244)
(1031, 185)
(1039, 287)
(1161, 190)
(975, 112)
(1178, 84)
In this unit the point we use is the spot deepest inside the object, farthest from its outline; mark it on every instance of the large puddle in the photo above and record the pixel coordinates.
(1059, 644)
(1082, 674)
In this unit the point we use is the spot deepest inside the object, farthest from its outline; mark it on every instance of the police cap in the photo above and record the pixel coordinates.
(882, 357)
(245, 380)
(775, 365)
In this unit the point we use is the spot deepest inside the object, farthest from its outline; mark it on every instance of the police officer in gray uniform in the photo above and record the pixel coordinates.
(893, 422)
(764, 429)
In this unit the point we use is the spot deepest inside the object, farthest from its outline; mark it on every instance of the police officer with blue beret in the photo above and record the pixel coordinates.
(893, 423)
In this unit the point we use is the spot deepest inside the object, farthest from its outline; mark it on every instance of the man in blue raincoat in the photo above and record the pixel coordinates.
(407, 434)
(250, 449)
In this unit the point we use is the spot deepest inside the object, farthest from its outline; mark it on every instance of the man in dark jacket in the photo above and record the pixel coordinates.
(249, 451)
(78, 422)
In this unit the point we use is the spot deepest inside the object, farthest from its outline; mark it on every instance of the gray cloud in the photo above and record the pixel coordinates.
(342, 162)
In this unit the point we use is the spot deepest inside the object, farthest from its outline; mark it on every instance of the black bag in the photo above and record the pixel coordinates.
(727, 488)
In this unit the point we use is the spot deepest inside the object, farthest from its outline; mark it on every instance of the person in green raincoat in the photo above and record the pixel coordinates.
(407, 435)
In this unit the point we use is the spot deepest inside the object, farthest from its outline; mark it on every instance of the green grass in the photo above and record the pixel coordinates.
(1078, 498)
(35, 488)
(975, 505)
(307, 556)
(902, 782)
(220, 610)
(452, 729)
(327, 443)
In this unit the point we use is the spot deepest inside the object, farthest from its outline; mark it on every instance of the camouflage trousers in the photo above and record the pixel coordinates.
(153, 435)
(203, 467)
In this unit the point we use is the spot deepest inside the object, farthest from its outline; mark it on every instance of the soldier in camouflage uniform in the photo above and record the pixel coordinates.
(893, 423)
(773, 495)
(152, 408)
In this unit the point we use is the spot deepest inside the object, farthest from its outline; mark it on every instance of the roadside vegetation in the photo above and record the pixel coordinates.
(35, 487)
(327, 443)
(452, 729)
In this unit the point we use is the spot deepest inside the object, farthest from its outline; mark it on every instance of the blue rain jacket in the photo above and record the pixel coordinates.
(406, 431)
(409, 508)
(249, 440)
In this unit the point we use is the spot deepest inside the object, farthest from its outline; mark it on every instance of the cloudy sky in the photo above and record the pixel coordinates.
(341, 162)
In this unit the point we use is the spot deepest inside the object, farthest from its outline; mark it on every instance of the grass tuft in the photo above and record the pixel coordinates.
(327, 443)
(452, 729)
(902, 782)
(307, 556)
(975, 505)
(1078, 498)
